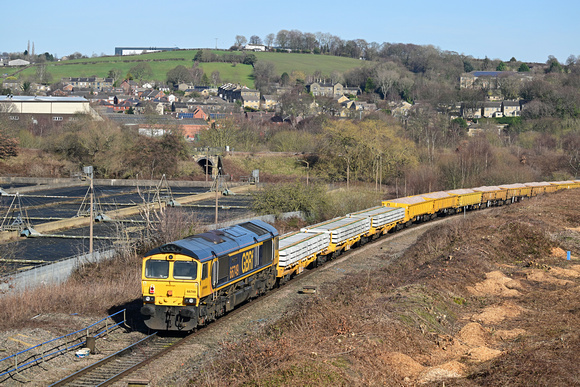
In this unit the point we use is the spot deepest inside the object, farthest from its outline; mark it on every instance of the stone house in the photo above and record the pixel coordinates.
(179, 107)
(492, 109)
(471, 110)
(13, 84)
(268, 102)
(251, 102)
(511, 108)
(326, 89)
(95, 83)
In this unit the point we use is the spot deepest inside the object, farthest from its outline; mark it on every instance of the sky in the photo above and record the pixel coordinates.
(529, 31)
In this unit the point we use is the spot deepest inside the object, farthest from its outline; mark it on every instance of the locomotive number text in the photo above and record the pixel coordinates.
(234, 271)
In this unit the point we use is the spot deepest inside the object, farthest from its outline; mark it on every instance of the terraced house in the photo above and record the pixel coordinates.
(95, 83)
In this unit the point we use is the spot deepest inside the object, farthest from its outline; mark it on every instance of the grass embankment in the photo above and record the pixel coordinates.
(490, 300)
(162, 62)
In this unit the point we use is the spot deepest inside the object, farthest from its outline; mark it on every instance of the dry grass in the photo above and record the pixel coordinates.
(94, 290)
(98, 289)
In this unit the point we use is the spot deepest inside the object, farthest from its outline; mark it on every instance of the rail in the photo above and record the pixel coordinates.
(69, 342)
(106, 375)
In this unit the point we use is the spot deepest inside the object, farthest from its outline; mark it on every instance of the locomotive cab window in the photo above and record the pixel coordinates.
(185, 270)
(156, 268)
(204, 271)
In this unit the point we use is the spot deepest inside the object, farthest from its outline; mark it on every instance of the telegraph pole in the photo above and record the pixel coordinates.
(89, 172)
(216, 199)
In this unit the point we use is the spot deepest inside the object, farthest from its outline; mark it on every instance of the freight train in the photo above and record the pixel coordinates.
(191, 282)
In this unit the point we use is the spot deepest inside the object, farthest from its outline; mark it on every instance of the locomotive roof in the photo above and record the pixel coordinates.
(219, 242)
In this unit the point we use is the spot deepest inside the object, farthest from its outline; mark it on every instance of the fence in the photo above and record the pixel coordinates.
(54, 272)
(49, 349)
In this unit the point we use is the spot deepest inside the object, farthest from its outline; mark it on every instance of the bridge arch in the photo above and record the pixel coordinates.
(206, 164)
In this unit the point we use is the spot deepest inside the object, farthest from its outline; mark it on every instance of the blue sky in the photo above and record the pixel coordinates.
(529, 31)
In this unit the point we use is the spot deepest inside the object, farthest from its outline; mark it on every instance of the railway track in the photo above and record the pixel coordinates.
(116, 366)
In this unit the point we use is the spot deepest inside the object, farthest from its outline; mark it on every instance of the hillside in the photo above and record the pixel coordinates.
(162, 62)
(487, 300)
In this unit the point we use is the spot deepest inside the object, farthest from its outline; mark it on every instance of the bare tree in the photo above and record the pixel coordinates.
(42, 75)
(386, 77)
(510, 86)
(282, 38)
(141, 71)
(115, 74)
(310, 42)
(264, 73)
(240, 40)
(255, 39)
(296, 38)
(179, 74)
(571, 147)
(269, 39)
(196, 74)
(216, 78)
(323, 40)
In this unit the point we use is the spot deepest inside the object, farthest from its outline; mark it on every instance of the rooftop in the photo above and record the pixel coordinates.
(26, 98)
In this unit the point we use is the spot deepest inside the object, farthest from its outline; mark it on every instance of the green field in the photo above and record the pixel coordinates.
(162, 62)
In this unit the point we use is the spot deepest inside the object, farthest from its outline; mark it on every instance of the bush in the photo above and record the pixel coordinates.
(277, 199)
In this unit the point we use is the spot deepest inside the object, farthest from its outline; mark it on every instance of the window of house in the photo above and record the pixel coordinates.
(14, 118)
(57, 118)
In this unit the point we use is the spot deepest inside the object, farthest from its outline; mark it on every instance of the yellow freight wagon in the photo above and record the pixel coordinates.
(538, 188)
(344, 232)
(416, 207)
(492, 195)
(558, 185)
(442, 201)
(513, 190)
(568, 184)
(467, 197)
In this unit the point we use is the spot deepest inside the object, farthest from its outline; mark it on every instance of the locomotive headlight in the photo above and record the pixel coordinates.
(189, 300)
(149, 299)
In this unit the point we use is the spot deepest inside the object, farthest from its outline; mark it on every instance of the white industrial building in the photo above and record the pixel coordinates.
(45, 109)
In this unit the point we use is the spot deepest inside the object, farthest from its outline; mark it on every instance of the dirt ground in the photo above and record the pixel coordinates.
(489, 299)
